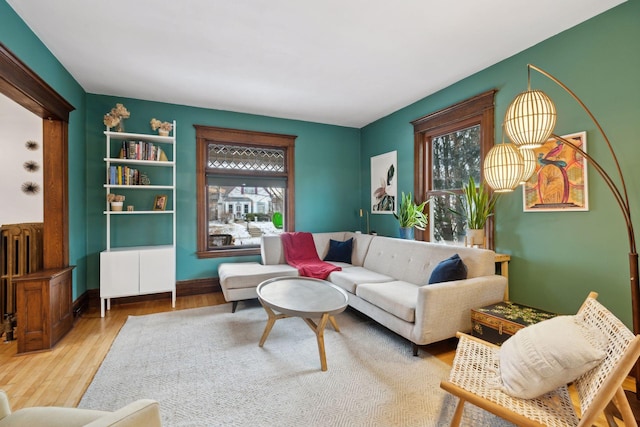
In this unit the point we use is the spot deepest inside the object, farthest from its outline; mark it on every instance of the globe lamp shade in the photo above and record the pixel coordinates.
(503, 167)
(530, 163)
(530, 119)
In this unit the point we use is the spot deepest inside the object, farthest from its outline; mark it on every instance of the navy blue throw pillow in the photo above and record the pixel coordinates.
(450, 269)
(340, 251)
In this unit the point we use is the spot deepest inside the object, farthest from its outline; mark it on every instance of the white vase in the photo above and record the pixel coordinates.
(163, 132)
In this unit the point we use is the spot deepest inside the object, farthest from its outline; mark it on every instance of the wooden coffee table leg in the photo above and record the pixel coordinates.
(270, 322)
(319, 331)
(334, 323)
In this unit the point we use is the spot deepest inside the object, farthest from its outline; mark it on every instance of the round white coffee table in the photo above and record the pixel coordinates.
(302, 297)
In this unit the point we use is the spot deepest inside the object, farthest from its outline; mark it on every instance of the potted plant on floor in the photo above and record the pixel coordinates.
(410, 216)
(478, 205)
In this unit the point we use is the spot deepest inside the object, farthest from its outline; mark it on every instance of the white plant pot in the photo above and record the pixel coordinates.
(116, 206)
(475, 237)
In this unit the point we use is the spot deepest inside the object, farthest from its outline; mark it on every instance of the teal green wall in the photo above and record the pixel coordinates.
(557, 258)
(326, 179)
(327, 174)
(19, 39)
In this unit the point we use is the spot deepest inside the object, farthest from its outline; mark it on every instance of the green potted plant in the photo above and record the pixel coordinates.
(478, 205)
(410, 216)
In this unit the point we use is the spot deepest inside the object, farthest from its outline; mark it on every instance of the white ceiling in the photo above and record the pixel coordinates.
(343, 62)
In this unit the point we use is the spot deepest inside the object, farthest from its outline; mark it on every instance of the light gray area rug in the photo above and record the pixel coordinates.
(205, 368)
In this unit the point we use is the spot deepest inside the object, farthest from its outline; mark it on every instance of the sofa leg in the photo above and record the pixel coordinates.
(414, 346)
(234, 305)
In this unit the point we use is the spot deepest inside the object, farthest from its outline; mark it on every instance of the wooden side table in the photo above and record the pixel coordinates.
(495, 323)
(502, 261)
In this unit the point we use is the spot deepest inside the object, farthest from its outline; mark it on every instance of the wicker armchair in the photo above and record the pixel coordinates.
(475, 364)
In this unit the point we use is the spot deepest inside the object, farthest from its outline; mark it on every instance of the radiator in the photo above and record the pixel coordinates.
(20, 254)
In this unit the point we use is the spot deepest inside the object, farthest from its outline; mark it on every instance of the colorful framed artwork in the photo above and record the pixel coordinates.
(384, 183)
(559, 182)
(160, 203)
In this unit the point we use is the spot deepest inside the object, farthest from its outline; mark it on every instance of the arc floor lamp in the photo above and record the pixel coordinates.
(529, 122)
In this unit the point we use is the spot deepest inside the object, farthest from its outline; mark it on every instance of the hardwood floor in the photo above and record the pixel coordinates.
(60, 377)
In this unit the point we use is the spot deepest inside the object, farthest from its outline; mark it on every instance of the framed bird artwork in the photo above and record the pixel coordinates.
(559, 182)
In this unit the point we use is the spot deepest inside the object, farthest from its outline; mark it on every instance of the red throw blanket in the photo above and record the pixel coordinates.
(300, 252)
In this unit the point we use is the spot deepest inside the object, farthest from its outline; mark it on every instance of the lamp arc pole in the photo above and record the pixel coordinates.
(619, 191)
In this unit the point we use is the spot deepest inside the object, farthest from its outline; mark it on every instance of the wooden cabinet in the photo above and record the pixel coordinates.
(142, 168)
(136, 271)
(44, 308)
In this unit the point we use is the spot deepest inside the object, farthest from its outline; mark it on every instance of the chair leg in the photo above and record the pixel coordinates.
(621, 402)
(457, 416)
(234, 305)
(414, 347)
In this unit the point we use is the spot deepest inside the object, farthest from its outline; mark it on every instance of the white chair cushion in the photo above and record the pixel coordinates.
(548, 355)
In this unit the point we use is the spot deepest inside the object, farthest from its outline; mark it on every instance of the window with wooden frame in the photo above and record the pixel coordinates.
(449, 146)
(245, 189)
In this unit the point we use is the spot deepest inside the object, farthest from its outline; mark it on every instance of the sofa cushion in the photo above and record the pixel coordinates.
(548, 355)
(340, 251)
(349, 278)
(321, 240)
(398, 298)
(361, 244)
(413, 261)
(272, 251)
(250, 274)
(449, 270)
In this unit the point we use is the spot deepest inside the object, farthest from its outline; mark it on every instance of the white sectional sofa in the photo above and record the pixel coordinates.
(388, 281)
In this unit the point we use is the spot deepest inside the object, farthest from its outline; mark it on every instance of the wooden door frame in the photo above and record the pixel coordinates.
(19, 83)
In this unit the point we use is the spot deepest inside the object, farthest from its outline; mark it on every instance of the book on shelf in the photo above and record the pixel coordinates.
(142, 150)
(124, 175)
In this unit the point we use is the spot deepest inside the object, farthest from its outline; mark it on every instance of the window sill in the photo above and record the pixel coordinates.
(226, 253)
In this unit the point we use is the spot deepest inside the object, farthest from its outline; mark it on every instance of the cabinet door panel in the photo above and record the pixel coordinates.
(157, 270)
(119, 274)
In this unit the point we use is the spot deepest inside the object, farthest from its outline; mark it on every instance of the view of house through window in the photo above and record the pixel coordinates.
(455, 157)
(246, 194)
(245, 189)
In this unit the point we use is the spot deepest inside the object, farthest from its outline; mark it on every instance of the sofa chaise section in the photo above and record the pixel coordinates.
(239, 280)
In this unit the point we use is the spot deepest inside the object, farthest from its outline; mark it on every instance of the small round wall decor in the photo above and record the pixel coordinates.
(32, 145)
(30, 188)
(31, 166)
